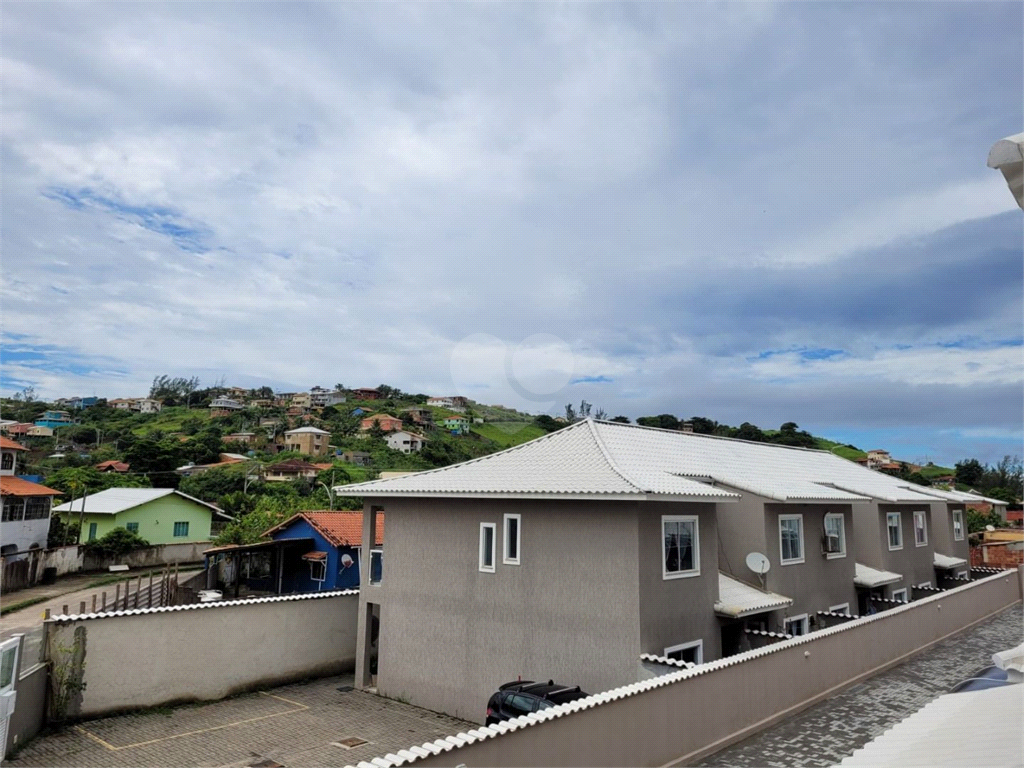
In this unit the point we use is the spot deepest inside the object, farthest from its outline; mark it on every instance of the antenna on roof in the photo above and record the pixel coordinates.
(759, 564)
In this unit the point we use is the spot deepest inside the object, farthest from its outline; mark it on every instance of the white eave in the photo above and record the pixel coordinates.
(737, 599)
(870, 578)
(947, 562)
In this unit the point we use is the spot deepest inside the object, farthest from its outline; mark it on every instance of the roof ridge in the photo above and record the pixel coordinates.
(608, 457)
(718, 437)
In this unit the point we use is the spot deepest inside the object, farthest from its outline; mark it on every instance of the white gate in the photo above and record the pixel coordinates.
(8, 673)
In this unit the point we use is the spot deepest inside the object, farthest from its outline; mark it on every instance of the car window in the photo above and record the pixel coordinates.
(518, 705)
(542, 704)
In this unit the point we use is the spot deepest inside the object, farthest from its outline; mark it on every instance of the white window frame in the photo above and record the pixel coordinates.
(695, 571)
(698, 644)
(958, 522)
(842, 534)
(494, 548)
(841, 608)
(793, 619)
(505, 539)
(903, 591)
(966, 575)
(924, 528)
(924, 584)
(899, 527)
(803, 547)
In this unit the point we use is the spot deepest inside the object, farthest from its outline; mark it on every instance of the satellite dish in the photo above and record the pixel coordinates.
(758, 563)
(990, 527)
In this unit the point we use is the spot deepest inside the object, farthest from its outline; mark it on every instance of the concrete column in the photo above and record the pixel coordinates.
(365, 615)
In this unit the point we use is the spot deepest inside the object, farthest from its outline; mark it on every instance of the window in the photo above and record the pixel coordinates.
(689, 652)
(835, 535)
(132, 527)
(900, 595)
(37, 507)
(892, 521)
(376, 566)
(14, 509)
(512, 539)
(487, 547)
(517, 706)
(841, 608)
(8, 461)
(920, 529)
(791, 538)
(680, 546)
(963, 575)
(181, 529)
(92, 531)
(958, 524)
(797, 625)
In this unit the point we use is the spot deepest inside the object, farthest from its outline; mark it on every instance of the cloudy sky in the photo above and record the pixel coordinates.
(750, 212)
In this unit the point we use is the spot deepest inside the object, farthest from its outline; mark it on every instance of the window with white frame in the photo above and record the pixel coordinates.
(680, 546)
(963, 576)
(900, 595)
(920, 529)
(925, 585)
(512, 539)
(894, 524)
(791, 538)
(958, 524)
(841, 608)
(797, 625)
(487, 550)
(690, 652)
(835, 535)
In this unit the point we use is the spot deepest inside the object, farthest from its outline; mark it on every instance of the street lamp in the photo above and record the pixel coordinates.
(330, 495)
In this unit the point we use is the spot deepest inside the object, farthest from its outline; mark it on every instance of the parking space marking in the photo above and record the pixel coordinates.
(298, 708)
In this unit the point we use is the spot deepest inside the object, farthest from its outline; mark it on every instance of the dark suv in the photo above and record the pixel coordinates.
(525, 696)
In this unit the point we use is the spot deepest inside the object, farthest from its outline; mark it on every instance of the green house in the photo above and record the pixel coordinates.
(159, 515)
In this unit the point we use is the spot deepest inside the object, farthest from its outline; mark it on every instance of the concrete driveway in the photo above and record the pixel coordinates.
(310, 724)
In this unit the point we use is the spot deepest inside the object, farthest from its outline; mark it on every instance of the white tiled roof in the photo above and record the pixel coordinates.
(953, 730)
(114, 500)
(608, 459)
(945, 561)
(866, 576)
(307, 431)
(736, 599)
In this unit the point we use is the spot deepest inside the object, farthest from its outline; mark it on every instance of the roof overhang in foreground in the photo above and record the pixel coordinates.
(379, 492)
(737, 600)
(947, 562)
(869, 578)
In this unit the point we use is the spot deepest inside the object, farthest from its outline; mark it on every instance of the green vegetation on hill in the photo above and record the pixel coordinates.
(508, 433)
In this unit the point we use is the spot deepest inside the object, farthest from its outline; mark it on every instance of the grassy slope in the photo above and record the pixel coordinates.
(170, 419)
(839, 449)
(508, 433)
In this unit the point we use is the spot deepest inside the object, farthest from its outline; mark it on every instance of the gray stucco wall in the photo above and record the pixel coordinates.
(819, 582)
(449, 634)
(942, 529)
(916, 564)
(677, 611)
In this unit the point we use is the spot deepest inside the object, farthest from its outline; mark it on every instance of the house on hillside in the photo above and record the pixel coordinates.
(224, 406)
(457, 425)
(25, 519)
(406, 442)
(81, 403)
(333, 561)
(309, 440)
(159, 515)
(292, 469)
(54, 419)
(145, 405)
(359, 458)
(386, 422)
(321, 398)
(366, 394)
(877, 457)
(118, 467)
(245, 438)
(361, 411)
(37, 430)
(424, 417)
(16, 428)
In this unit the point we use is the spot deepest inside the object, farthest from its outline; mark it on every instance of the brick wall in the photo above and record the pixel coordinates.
(997, 556)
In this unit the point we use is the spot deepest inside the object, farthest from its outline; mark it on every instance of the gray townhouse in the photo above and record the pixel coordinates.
(573, 555)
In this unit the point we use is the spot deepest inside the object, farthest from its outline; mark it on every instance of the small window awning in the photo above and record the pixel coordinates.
(869, 578)
(1008, 156)
(315, 556)
(946, 562)
(737, 599)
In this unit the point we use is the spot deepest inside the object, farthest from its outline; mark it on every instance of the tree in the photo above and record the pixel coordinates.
(339, 387)
(543, 421)
(61, 533)
(117, 543)
(621, 419)
(702, 426)
(976, 521)
(969, 472)
(748, 431)
(74, 481)
(664, 421)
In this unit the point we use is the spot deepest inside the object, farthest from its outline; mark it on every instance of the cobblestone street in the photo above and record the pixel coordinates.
(830, 731)
(296, 725)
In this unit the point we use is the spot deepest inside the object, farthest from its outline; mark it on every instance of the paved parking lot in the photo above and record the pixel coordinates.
(293, 726)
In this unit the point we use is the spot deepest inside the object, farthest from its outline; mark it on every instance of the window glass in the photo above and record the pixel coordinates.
(958, 525)
(512, 537)
(487, 546)
(181, 529)
(690, 654)
(8, 461)
(133, 527)
(680, 542)
(791, 530)
(895, 533)
(797, 626)
(92, 531)
(516, 705)
(835, 526)
(920, 531)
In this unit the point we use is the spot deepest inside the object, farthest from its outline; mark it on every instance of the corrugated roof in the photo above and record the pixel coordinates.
(737, 599)
(866, 576)
(946, 561)
(114, 500)
(953, 730)
(306, 430)
(16, 486)
(570, 462)
(11, 445)
(342, 529)
(608, 459)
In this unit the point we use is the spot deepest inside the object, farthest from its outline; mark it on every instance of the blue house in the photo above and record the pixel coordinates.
(361, 411)
(333, 561)
(54, 419)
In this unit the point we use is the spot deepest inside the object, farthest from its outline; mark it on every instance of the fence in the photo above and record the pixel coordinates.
(684, 716)
(150, 591)
(206, 651)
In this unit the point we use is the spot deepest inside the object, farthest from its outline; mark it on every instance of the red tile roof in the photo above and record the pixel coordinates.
(342, 529)
(117, 466)
(15, 486)
(10, 445)
(291, 465)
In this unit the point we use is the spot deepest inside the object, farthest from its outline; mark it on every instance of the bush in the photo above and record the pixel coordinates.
(118, 543)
